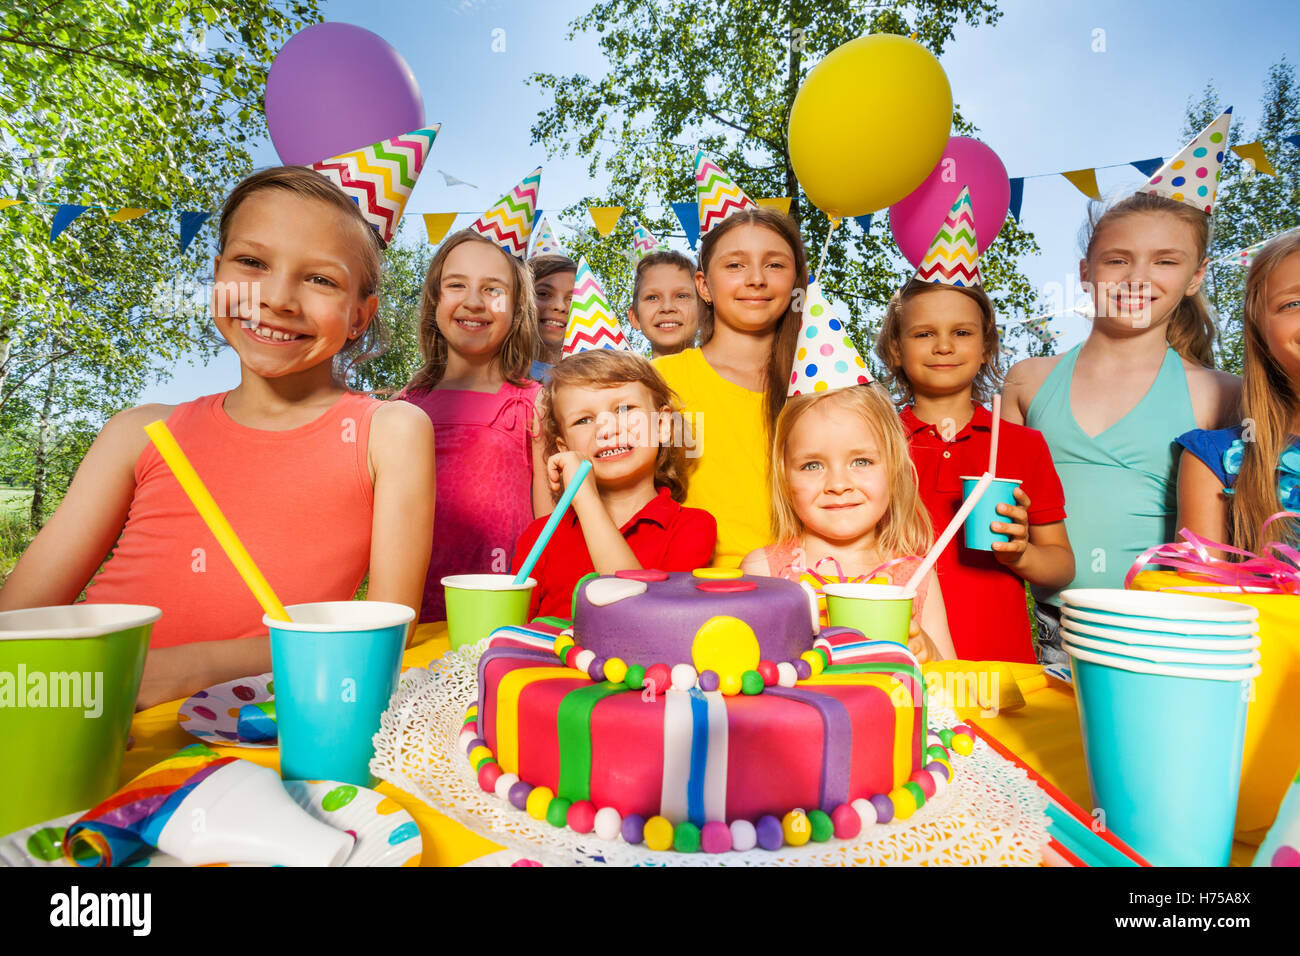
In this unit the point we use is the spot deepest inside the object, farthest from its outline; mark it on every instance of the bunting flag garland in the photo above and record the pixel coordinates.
(380, 177)
(63, 217)
(127, 214)
(1193, 175)
(545, 242)
(1084, 180)
(1148, 167)
(190, 223)
(864, 221)
(1293, 140)
(592, 324)
(1017, 197)
(688, 214)
(6, 203)
(450, 180)
(718, 194)
(437, 225)
(953, 256)
(605, 218)
(510, 219)
(1253, 153)
(780, 203)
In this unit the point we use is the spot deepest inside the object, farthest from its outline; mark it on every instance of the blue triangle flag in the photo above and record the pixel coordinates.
(190, 223)
(1017, 196)
(1293, 140)
(1148, 167)
(864, 222)
(688, 214)
(63, 217)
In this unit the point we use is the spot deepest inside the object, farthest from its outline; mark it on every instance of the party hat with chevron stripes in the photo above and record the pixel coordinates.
(545, 242)
(510, 220)
(953, 257)
(719, 196)
(592, 324)
(1193, 175)
(380, 177)
(643, 243)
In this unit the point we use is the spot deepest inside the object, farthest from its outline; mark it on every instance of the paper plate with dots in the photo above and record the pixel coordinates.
(238, 713)
(386, 835)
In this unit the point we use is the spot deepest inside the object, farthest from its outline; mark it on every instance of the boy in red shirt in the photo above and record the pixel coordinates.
(938, 342)
(612, 408)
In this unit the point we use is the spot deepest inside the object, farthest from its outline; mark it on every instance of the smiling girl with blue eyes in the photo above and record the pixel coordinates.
(844, 492)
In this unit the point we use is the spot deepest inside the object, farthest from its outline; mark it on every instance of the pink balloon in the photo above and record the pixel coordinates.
(335, 87)
(916, 218)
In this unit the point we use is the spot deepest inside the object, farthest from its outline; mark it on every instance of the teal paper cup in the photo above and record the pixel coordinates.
(1173, 803)
(979, 537)
(69, 677)
(880, 611)
(477, 604)
(335, 667)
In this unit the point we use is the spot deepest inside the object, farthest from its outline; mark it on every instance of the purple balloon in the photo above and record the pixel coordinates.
(335, 87)
(916, 218)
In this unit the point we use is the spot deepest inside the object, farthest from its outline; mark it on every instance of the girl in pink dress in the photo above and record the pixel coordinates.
(478, 329)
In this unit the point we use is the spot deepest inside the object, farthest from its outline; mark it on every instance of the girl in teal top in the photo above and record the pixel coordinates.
(1112, 408)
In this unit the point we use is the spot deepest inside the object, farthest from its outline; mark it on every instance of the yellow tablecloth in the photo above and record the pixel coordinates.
(1044, 734)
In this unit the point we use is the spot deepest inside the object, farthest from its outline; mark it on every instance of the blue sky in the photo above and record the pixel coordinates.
(1033, 85)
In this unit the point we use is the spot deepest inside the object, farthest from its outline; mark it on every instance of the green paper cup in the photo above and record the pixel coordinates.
(69, 677)
(477, 604)
(880, 611)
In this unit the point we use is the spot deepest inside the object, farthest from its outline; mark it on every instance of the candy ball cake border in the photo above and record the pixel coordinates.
(796, 828)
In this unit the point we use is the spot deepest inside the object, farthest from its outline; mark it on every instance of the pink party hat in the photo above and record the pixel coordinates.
(1193, 175)
(826, 357)
(953, 256)
(719, 196)
(591, 320)
(643, 243)
(545, 241)
(509, 221)
(380, 177)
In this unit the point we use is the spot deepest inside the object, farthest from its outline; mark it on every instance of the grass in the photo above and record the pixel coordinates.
(15, 535)
(15, 501)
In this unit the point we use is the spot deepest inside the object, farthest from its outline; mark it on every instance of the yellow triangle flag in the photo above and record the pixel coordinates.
(1253, 153)
(127, 213)
(6, 203)
(779, 203)
(605, 218)
(1084, 180)
(437, 223)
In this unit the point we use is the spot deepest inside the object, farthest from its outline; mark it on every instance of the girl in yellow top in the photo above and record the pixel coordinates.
(753, 272)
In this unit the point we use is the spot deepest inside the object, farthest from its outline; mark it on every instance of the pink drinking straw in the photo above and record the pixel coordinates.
(993, 445)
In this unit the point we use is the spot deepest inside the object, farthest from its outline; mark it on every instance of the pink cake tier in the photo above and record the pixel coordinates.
(582, 739)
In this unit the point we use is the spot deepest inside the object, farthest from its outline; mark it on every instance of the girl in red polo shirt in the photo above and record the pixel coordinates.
(938, 343)
(613, 409)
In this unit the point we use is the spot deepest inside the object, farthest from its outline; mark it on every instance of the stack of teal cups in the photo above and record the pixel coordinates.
(1163, 682)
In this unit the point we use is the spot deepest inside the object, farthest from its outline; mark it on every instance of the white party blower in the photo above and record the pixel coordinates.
(242, 814)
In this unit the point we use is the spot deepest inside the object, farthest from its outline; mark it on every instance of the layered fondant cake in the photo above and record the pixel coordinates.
(703, 711)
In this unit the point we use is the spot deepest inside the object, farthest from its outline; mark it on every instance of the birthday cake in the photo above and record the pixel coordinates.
(703, 711)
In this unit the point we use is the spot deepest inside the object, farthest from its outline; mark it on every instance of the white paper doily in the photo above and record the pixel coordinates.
(991, 814)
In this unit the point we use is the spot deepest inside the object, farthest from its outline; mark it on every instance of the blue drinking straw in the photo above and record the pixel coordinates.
(553, 522)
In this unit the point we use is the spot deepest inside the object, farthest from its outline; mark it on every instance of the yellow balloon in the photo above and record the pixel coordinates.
(869, 124)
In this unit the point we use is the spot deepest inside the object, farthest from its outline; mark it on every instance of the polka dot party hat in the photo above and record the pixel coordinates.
(719, 196)
(953, 256)
(1282, 845)
(545, 242)
(379, 177)
(824, 357)
(510, 220)
(1193, 175)
(592, 324)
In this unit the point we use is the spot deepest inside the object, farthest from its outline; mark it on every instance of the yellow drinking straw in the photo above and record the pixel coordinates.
(215, 520)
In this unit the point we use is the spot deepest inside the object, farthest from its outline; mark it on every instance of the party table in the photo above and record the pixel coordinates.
(1044, 735)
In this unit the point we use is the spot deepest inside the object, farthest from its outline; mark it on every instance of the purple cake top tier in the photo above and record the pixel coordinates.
(655, 621)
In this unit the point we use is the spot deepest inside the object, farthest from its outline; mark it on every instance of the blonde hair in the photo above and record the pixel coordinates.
(609, 368)
(1269, 400)
(905, 528)
(781, 359)
(516, 355)
(306, 183)
(889, 343)
(1189, 330)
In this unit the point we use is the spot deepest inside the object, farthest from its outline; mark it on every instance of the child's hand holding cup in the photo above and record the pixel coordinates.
(1015, 531)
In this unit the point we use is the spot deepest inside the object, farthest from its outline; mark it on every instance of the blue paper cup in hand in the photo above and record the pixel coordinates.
(979, 536)
(336, 665)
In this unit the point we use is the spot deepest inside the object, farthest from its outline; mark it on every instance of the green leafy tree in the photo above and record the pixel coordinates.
(1251, 206)
(400, 285)
(723, 77)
